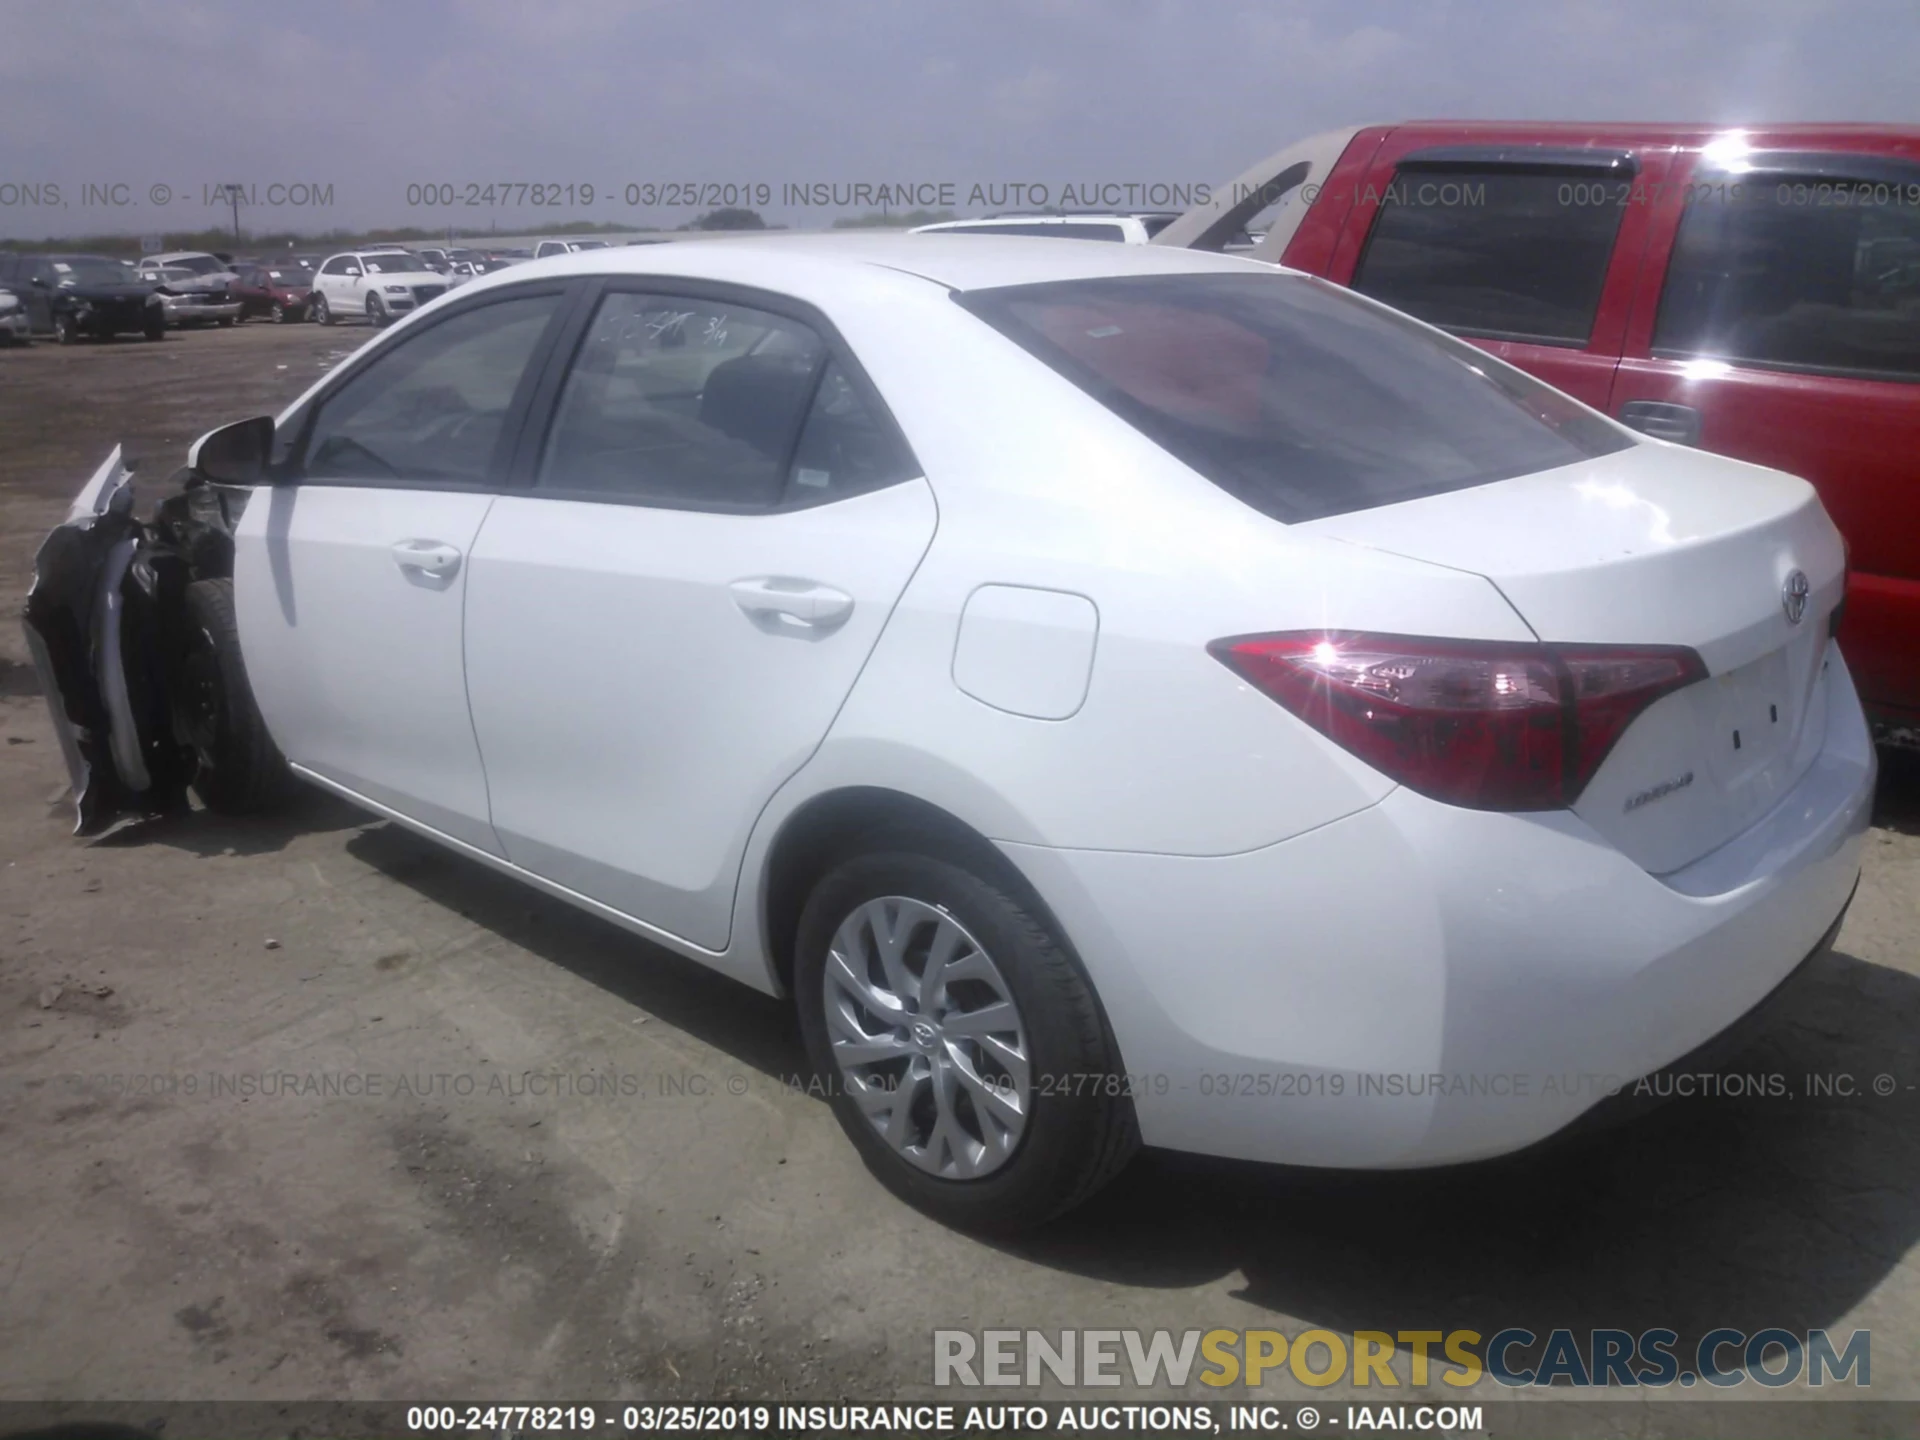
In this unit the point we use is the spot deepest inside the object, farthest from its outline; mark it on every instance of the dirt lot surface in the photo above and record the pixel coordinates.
(181, 1217)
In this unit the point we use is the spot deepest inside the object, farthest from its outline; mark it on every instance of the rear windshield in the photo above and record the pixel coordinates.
(1296, 396)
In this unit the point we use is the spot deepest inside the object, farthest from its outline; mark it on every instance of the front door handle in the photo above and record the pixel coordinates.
(433, 558)
(783, 605)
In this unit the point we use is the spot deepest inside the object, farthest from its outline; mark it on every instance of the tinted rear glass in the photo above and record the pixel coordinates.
(1500, 252)
(1292, 394)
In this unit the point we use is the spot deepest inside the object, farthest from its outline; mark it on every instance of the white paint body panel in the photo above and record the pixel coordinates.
(1659, 545)
(1026, 651)
(1284, 994)
(1245, 896)
(356, 661)
(634, 719)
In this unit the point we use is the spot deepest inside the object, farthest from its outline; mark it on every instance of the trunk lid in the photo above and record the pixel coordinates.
(1660, 545)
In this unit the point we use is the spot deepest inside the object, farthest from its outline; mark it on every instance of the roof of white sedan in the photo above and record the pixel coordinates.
(960, 262)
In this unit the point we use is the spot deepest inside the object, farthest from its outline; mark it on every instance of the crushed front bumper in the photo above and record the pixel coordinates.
(103, 621)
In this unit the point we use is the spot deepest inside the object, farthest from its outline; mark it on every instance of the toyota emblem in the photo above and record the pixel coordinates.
(1793, 596)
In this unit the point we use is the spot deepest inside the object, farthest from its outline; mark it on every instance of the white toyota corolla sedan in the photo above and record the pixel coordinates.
(1121, 695)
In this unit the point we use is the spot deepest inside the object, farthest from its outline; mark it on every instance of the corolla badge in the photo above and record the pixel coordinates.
(1658, 792)
(1793, 596)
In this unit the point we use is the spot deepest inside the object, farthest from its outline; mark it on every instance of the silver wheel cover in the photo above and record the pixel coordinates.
(927, 1038)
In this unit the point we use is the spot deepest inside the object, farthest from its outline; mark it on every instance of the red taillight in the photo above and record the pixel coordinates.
(1484, 724)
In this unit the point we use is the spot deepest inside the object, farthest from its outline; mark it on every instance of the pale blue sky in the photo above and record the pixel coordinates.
(370, 97)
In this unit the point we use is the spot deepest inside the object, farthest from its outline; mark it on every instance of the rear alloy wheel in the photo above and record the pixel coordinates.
(964, 1051)
(322, 312)
(64, 330)
(240, 770)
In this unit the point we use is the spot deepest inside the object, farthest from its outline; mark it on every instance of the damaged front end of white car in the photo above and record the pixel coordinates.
(129, 625)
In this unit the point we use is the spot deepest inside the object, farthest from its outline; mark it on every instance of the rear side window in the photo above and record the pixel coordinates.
(704, 404)
(1502, 253)
(1292, 394)
(1798, 273)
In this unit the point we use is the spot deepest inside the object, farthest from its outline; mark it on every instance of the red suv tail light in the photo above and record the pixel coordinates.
(1484, 724)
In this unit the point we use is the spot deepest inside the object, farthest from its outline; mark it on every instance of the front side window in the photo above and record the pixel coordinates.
(1295, 395)
(432, 408)
(337, 265)
(701, 404)
(1818, 274)
(1500, 252)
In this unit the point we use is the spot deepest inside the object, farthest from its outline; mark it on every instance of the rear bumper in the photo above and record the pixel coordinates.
(1418, 984)
(1681, 1076)
(202, 314)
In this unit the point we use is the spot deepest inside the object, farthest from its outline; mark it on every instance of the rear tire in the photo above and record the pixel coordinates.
(1076, 1127)
(241, 771)
(322, 312)
(65, 331)
(155, 327)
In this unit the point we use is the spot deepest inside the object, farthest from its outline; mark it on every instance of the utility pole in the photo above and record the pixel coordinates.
(233, 197)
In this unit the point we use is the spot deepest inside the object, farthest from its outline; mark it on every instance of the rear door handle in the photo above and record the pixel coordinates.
(783, 605)
(435, 558)
(1663, 421)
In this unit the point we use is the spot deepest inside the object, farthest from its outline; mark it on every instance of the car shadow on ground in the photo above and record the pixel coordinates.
(1763, 1210)
(203, 832)
(1781, 1206)
(1896, 803)
(753, 1028)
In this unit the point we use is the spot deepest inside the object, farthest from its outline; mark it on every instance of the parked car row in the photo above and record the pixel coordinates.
(73, 297)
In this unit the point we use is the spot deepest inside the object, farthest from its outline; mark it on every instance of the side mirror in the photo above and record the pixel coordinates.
(235, 454)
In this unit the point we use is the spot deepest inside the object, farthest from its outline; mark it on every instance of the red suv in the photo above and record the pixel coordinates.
(1755, 292)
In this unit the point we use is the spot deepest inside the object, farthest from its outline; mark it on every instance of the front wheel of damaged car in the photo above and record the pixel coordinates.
(240, 770)
(964, 1052)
